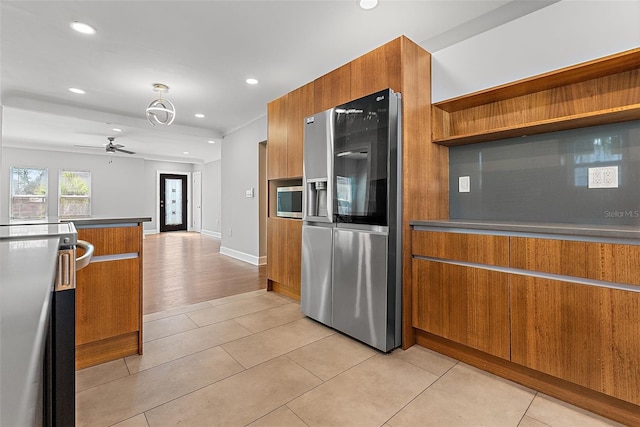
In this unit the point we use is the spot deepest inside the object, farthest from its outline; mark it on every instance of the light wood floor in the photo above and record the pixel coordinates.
(183, 268)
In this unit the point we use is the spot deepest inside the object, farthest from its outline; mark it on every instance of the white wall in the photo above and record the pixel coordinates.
(116, 189)
(120, 186)
(212, 198)
(240, 222)
(560, 35)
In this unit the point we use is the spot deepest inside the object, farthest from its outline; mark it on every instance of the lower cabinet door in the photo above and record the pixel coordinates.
(588, 335)
(464, 304)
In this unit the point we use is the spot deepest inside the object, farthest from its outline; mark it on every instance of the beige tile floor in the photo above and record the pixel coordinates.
(254, 360)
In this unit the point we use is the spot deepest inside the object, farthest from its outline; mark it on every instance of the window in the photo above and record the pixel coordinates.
(29, 192)
(75, 194)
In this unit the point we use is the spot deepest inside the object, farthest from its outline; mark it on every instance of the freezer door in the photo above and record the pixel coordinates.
(360, 294)
(315, 292)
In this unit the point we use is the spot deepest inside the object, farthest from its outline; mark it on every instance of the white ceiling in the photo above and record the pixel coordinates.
(204, 51)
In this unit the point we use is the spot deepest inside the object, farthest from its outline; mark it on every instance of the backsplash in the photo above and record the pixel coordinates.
(544, 178)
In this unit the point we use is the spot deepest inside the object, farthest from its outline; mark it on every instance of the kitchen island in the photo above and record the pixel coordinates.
(555, 307)
(109, 291)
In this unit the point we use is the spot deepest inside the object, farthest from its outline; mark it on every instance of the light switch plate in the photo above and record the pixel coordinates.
(603, 177)
(464, 184)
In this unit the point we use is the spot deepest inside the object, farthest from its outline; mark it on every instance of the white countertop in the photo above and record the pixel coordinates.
(28, 260)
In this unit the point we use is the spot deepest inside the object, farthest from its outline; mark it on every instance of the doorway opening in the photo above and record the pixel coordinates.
(173, 198)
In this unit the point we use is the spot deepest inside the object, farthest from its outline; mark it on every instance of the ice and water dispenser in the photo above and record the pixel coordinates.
(317, 198)
(318, 169)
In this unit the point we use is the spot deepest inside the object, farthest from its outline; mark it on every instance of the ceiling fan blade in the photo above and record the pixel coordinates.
(123, 151)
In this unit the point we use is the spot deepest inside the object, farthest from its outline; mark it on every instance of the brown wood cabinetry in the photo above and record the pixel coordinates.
(406, 68)
(563, 257)
(284, 247)
(109, 296)
(285, 132)
(559, 312)
(464, 304)
(332, 89)
(602, 91)
(476, 248)
(583, 334)
(277, 138)
(377, 70)
(300, 105)
(276, 250)
(614, 263)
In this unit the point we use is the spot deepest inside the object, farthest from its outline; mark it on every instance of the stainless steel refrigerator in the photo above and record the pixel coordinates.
(351, 271)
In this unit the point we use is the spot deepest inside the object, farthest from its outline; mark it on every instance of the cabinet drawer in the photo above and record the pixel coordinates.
(613, 263)
(476, 248)
(112, 240)
(598, 261)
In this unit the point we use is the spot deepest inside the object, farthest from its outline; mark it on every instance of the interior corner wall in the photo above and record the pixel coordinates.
(240, 214)
(211, 197)
(557, 36)
(151, 168)
(116, 181)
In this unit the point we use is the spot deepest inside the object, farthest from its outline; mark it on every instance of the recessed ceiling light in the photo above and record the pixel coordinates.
(199, 115)
(185, 152)
(368, 4)
(252, 81)
(83, 28)
(77, 91)
(116, 130)
(211, 141)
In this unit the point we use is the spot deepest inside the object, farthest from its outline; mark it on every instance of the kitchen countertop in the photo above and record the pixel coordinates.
(558, 230)
(28, 258)
(80, 222)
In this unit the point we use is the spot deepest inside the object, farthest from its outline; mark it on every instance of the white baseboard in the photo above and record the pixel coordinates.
(145, 232)
(215, 234)
(251, 259)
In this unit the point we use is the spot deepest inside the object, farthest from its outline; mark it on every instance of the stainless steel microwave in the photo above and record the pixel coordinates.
(290, 202)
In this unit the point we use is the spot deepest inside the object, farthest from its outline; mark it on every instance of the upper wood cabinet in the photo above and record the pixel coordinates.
(299, 106)
(332, 89)
(277, 138)
(605, 90)
(377, 70)
(285, 132)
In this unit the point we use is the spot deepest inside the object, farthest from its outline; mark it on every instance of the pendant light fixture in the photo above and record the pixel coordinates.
(161, 111)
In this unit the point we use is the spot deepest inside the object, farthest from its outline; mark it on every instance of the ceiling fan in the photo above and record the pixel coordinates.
(110, 147)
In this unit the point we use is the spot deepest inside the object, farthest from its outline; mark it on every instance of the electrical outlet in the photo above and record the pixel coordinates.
(230, 233)
(603, 177)
(464, 184)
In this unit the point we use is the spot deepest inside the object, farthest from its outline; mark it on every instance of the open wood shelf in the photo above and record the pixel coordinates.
(602, 91)
(622, 114)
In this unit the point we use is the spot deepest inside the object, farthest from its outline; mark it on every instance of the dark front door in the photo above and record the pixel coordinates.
(173, 202)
